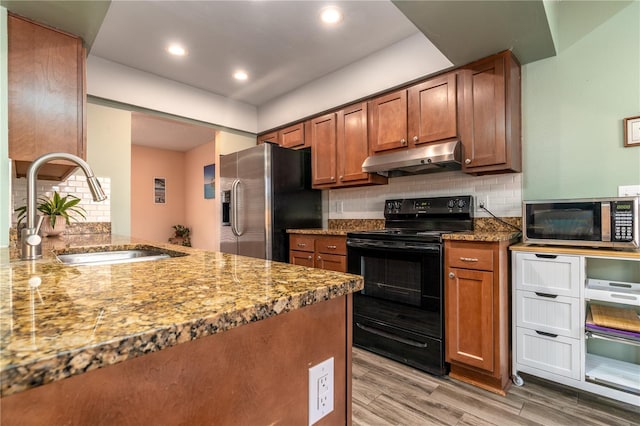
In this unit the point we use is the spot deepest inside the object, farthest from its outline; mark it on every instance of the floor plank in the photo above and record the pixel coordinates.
(386, 392)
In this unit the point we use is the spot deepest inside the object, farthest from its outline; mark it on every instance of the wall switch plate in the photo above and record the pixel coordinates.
(628, 190)
(320, 390)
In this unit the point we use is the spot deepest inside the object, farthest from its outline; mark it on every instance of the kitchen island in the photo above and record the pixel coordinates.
(198, 339)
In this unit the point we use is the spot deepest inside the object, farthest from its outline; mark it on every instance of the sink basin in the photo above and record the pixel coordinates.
(114, 257)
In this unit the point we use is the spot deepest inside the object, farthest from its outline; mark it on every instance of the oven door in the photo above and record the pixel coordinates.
(398, 314)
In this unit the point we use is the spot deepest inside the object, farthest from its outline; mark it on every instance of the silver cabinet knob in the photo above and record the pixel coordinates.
(310, 257)
(319, 258)
(403, 142)
(341, 177)
(415, 139)
(467, 161)
(452, 275)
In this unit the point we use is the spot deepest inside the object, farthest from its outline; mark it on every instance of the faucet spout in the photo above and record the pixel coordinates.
(30, 240)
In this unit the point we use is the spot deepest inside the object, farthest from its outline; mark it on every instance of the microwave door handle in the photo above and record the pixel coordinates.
(605, 221)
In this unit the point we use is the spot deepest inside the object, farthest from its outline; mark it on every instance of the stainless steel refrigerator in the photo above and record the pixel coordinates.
(266, 189)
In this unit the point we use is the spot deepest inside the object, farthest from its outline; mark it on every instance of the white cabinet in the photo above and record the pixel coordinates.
(553, 336)
(547, 316)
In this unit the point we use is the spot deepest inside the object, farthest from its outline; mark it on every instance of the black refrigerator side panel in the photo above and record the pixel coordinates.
(295, 203)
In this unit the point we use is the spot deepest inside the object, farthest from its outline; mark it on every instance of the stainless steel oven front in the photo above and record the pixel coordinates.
(399, 313)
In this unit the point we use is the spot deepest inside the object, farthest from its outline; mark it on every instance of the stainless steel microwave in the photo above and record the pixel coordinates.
(591, 222)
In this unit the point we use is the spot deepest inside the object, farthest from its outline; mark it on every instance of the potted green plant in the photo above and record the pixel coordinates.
(181, 236)
(58, 212)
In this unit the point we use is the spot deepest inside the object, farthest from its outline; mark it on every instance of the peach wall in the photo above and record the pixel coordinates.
(152, 221)
(199, 214)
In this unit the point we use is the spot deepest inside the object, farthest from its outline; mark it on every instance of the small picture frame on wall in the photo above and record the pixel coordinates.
(632, 131)
(159, 190)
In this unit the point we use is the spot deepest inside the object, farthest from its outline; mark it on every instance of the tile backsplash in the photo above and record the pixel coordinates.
(75, 184)
(502, 193)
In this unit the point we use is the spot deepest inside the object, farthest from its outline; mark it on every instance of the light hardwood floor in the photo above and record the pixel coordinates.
(389, 393)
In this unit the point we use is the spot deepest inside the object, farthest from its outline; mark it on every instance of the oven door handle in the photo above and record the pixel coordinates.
(381, 333)
(379, 245)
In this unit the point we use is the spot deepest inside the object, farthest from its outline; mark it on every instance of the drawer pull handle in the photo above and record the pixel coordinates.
(391, 336)
(552, 296)
(546, 256)
(332, 247)
(622, 296)
(542, 333)
(468, 259)
(302, 245)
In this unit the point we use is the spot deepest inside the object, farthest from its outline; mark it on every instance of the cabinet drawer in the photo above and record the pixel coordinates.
(558, 315)
(301, 243)
(558, 355)
(470, 258)
(332, 245)
(552, 274)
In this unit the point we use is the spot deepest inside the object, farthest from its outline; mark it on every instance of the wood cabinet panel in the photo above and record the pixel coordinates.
(301, 258)
(328, 252)
(324, 149)
(353, 143)
(292, 136)
(331, 262)
(477, 313)
(474, 258)
(268, 137)
(349, 146)
(388, 121)
(46, 98)
(302, 243)
(469, 298)
(432, 110)
(491, 115)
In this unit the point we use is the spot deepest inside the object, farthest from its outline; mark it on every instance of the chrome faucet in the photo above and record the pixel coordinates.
(30, 240)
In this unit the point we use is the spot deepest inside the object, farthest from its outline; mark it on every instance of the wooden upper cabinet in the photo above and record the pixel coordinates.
(490, 121)
(292, 136)
(46, 99)
(268, 137)
(324, 149)
(349, 145)
(388, 121)
(432, 110)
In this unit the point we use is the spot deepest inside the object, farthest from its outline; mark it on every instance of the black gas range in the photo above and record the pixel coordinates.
(399, 313)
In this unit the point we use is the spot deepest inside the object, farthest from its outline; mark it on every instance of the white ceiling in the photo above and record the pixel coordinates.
(281, 44)
(165, 133)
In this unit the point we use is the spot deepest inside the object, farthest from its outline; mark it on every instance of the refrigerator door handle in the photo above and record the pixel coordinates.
(234, 208)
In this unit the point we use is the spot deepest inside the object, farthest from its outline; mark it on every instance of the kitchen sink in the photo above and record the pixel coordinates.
(108, 257)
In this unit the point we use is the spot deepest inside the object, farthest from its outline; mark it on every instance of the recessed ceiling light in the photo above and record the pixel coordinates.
(177, 50)
(240, 75)
(331, 15)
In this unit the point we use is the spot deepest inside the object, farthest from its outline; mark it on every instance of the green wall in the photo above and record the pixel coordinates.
(573, 104)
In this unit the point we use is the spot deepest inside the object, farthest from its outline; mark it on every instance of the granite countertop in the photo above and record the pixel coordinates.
(57, 321)
(318, 231)
(487, 236)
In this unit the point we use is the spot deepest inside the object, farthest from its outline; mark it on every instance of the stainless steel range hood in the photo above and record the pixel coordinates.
(430, 158)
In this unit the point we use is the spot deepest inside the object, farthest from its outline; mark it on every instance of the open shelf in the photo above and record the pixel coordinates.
(613, 291)
(612, 373)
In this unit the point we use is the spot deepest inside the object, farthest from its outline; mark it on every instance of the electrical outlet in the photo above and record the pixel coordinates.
(320, 390)
(482, 202)
(628, 190)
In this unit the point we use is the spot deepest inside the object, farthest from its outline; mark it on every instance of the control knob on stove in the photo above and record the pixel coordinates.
(461, 203)
(451, 203)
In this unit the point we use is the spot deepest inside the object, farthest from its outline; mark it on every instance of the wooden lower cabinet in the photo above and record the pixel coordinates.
(318, 251)
(254, 374)
(477, 313)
